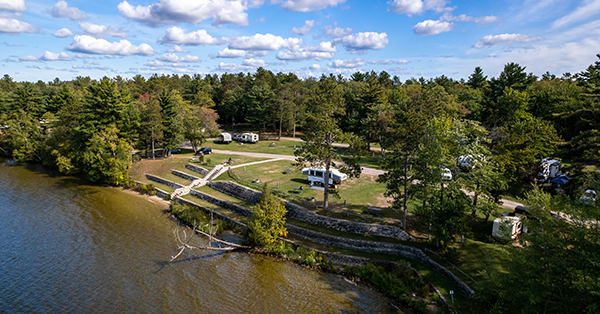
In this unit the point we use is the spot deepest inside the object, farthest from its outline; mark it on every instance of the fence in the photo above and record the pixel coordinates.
(453, 266)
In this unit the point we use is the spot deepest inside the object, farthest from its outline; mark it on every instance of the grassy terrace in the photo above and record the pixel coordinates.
(359, 193)
(220, 210)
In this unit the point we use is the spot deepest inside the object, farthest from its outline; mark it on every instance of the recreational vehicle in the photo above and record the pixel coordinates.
(316, 176)
(549, 169)
(508, 226)
(249, 138)
(225, 138)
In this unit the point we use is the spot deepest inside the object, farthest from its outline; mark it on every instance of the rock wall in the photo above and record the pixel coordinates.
(379, 247)
(184, 175)
(209, 211)
(232, 207)
(162, 194)
(197, 169)
(300, 213)
(160, 180)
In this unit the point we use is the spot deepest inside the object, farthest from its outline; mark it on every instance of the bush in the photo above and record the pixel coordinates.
(451, 255)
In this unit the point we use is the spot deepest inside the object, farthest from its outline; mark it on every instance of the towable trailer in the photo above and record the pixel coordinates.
(316, 176)
(225, 138)
(249, 138)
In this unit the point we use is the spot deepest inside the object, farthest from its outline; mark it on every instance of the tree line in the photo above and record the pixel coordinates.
(505, 124)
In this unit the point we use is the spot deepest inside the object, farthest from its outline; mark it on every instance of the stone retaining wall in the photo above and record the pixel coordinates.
(209, 211)
(197, 169)
(162, 194)
(300, 213)
(184, 175)
(232, 207)
(380, 247)
(160, 180)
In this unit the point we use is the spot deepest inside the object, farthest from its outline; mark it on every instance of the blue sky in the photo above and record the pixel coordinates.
(41, 40)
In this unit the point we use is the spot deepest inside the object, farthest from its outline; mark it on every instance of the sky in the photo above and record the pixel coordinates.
(43, 40)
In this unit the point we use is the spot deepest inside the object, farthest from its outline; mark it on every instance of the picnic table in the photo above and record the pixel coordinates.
(374, 209)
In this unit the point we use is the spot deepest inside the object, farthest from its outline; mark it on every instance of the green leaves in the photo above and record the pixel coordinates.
(267, 223)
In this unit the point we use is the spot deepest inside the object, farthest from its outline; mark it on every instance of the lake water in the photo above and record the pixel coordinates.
(68, 246)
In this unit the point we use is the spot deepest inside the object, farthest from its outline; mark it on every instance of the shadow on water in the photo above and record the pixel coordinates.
(162, 264)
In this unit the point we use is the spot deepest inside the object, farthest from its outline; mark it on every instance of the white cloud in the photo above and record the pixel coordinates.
(431, 27)
(309, 5)
(177, 49)
(324, 46)
(315, 67)
(62, 9)
(491, 40)
(465, 18)
(154, 64)
(388, 62)
(231, 53)
(80, 56)
(360, 42)
(337, 32)
(588, 9)
(410, 7)
(173, 12)
(264, 42)
(29, 58)
(226, 67)
(13, 5)
(102, 30)
(48, 56)
(91, 45)
(171, 57)
(63, 32)
(302, 55)
(347, 64)
(14, 27)
(254, 63)
(176, 35)
(308, 26)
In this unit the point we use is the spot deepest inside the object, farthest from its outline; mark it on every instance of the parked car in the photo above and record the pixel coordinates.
(175, 151)
(588, 198)
(204, 151)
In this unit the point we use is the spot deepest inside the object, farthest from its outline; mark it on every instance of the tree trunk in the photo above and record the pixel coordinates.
(153, 155)
(294, 134)
(405, 192)
(326, 184)
(280, 126)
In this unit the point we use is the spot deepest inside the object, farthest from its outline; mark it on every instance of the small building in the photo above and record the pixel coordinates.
(316, 176)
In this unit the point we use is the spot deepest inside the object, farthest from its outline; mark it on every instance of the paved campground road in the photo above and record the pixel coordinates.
(366, 170)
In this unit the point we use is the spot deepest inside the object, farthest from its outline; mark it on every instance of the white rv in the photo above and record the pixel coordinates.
(225, 138)
(249, 138)
(316, 176)
(508, 226)
(549, 169)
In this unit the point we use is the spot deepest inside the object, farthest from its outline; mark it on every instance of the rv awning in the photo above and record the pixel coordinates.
(560, 179)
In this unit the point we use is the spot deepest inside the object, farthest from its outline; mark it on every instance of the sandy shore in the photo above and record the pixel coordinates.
(153, 198)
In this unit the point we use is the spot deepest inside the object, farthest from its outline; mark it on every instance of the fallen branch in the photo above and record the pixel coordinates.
(183, 245)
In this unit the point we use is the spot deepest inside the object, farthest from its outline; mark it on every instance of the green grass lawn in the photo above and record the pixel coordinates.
(359, 193)
(265, 147)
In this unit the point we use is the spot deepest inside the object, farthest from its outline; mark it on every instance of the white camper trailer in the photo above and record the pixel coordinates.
(249, 138)
(508, 226)
(225, 138)
(316, 176)
(549, 169)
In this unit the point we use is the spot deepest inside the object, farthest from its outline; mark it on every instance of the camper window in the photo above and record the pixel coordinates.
(319, 174)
